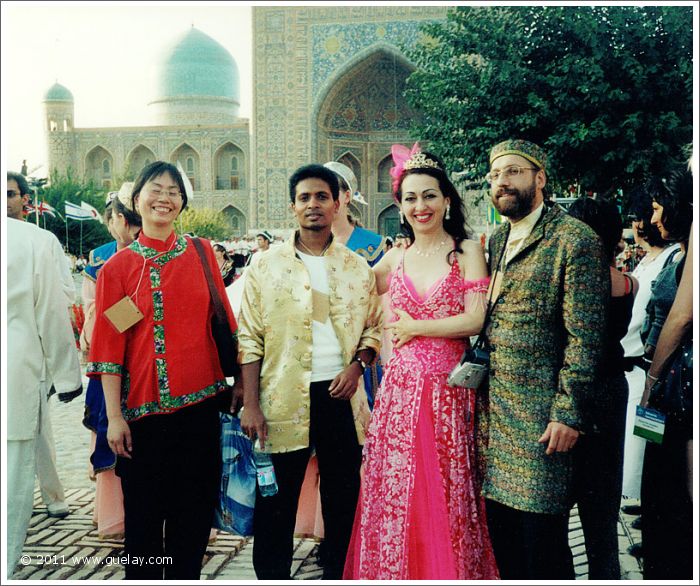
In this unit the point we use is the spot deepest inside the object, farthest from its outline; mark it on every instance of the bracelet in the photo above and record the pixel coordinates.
(652, 377)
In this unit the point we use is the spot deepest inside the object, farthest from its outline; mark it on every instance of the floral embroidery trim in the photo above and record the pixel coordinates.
(169, 404)
(163, 381)
(152, 254)
(155, 277)
(157, 305)
(159, 338)
(105, 368)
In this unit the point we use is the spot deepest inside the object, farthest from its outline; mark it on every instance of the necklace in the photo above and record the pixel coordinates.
(311, 252)
(432, 252)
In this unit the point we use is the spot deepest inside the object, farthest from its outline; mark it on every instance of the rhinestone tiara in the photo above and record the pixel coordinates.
(420, 161)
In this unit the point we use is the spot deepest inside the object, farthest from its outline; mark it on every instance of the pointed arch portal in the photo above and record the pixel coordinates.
(362, 113)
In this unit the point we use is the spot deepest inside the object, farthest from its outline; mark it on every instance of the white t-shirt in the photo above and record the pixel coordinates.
(645, 272)
(326, 355)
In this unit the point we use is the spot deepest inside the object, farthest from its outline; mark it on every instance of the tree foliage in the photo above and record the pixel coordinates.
(204, 222)
(59, 189)
(607, 90)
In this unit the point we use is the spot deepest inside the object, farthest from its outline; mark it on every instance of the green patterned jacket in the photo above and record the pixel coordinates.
(546, 333)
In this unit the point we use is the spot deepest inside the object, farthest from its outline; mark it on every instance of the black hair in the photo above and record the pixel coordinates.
(108, 213)
(221, 248)
(156, 169)
(677, 201)
(314, 171)
(21, 182)
(456, 225)
(131, 217)
(605, 219)
(640, 210)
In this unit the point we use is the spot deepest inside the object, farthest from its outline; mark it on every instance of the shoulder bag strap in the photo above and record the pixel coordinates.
(213, 292)
(481, 340)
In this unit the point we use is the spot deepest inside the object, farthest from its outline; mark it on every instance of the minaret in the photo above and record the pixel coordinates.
(59, 116)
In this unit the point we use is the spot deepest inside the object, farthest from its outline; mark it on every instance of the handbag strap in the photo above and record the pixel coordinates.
(213, 292)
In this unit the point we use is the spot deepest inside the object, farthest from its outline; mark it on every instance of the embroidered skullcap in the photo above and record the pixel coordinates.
(265, 234)
(124, 195)
(515, 146)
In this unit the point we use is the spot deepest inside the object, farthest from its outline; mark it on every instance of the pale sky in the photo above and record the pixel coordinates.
(105, 55)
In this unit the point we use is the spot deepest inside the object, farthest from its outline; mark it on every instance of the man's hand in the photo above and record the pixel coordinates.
(253, 424)
(344, 385)
(119, 437)
(561, 437)
(236, 396)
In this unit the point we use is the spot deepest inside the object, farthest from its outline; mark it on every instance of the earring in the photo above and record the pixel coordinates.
(447, 213)
(400, 216)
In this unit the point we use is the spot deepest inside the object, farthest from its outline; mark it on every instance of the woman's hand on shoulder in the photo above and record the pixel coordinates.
(472, 261)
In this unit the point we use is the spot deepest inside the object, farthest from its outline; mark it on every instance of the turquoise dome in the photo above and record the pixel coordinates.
(58, 93)
(197, 65)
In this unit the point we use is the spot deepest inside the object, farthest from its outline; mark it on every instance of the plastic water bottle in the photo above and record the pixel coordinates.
(267, 482)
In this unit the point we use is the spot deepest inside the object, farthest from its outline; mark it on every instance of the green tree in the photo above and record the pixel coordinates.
(59, 189)
(606, 90)
(204, 222)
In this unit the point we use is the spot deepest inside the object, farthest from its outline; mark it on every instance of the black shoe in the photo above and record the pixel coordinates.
(637, 523)
(631, 509)
(635, 550)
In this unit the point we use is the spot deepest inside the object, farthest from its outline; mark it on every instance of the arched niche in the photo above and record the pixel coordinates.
(138, 158)
(189, 161)
(229, 162)
(384, 176)
(99, 167)
(389, 223)
(236, 219)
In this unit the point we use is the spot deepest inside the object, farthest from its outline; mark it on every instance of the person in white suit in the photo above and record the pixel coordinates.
(52, 492)
(39, 335)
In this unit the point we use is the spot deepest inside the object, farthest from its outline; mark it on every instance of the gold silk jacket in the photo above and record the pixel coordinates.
(275, 327)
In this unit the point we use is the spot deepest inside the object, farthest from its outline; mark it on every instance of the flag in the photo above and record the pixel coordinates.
(75, 212)
(41, 209)
(95, 214)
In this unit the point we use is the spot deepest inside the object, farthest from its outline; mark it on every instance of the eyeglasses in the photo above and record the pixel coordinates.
(156, 192)
(12, 193)
(510, 172)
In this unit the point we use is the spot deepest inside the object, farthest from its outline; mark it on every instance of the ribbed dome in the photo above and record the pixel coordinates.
(197, 65)
(58, 93)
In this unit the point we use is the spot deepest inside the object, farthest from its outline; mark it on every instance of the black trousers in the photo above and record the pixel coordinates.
(170, 488)
(598, 458)
(333, 435)
(529, 546)
(667, 514)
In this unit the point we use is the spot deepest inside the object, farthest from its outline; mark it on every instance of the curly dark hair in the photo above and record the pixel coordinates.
(456, 225)
(640, 210)
(677, 201)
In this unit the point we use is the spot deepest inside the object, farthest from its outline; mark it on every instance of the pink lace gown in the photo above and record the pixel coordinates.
(420, 514)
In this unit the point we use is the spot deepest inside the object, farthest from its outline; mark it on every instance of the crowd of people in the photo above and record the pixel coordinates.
(432, 410)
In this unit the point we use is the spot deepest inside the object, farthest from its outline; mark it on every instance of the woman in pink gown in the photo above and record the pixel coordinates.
(420, 513)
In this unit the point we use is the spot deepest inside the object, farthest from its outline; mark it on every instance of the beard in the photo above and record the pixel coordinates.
(516, 207)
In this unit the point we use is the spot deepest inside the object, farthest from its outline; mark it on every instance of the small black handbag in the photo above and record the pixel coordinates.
(672, 394)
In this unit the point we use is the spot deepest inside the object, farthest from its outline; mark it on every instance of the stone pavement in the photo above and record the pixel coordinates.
(69, 548)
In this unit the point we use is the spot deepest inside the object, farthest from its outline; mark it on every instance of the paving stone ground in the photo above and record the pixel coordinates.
(69, 548)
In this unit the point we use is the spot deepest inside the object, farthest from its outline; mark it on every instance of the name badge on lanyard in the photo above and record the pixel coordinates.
(649, 424)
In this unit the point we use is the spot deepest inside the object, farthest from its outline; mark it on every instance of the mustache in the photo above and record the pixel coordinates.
(504, 191)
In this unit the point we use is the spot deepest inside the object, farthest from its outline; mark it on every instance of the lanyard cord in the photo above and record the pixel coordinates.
(143, 268)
